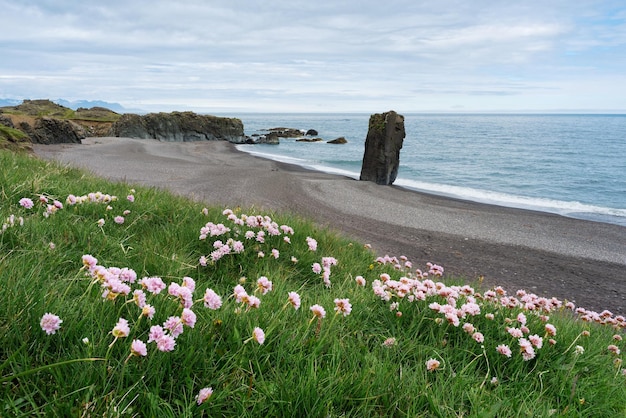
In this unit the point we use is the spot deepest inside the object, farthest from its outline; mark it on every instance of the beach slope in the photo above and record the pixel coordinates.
(550, 255)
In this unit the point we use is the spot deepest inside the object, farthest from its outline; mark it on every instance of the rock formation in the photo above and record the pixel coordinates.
(179, 126)
(311, 132)
(49, 130)
(382, 148)
(340, 140)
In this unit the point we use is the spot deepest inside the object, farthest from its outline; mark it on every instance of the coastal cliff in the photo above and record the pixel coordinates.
(45, 122)
(179, 127)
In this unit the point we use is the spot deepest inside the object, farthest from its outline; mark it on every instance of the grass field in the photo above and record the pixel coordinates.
(119, 300)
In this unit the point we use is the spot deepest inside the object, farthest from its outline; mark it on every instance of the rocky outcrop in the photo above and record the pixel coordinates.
(286, 132)
(340, 140)
(311, 132)
(381, 159)
(179, 126)
(309, 140)
(49, 130)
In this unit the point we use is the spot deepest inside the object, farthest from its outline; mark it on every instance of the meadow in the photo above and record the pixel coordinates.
(121, 300)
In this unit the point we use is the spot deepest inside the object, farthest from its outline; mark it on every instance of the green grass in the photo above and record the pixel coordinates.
(13, 139)
(336, 366)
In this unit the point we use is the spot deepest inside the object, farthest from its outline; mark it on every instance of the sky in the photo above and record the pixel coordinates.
(318, 56)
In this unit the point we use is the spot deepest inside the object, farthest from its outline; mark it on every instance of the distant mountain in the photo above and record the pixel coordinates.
(9, 102)
(88, 104)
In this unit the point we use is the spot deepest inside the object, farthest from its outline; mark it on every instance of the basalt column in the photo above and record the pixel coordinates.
(382, 148)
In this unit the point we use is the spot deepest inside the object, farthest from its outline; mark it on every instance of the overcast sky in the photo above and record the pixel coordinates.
(288, 56)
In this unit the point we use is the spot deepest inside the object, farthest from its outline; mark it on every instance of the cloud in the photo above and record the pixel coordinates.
(301, 55)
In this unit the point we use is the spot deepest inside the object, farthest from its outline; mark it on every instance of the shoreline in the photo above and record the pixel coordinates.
(547, 254)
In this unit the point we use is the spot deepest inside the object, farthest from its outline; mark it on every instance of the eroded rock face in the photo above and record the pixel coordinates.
(53, 131)
(381, 159)
(180, 127)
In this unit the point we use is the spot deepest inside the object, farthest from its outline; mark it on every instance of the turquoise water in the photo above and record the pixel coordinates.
(573, 165)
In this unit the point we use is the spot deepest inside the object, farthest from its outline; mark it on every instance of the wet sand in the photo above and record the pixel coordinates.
(550, 255)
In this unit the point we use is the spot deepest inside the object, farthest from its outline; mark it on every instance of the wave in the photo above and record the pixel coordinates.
(571, 209)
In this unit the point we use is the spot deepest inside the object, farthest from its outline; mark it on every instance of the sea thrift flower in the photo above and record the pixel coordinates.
(312, 243)
(212, 300)
(317, 268)
(359, 280)
(550, 330)
(203, 261)
(148, 310)
(526, 348)
(139, 297)
(121, 329)
(614, 349)
(203, 395)
(343, 306)
(174, 325)
(432, 365)
(253, 301)
(50, 323)
(579, 350)
(130, 198)
(318, 311)
(536, 340)
(119, 220)
(478, 337)
(166, 343)
(264, 285)
(138, 348)
(469, 328)
(26, 203)
(258, 335)
(294, 299)
(275, 253)
(515, 332)
(153, 284)
(156, 332)
(389, 342)
(100, 222)
(504, 350)
(188, 317)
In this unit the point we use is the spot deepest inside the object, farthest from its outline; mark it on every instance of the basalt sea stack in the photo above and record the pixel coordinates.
(382, 148)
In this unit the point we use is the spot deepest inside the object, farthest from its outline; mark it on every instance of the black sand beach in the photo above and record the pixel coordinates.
(550, 255)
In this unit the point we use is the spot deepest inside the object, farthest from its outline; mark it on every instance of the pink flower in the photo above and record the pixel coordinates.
(389, 342)
(203, 261)
(550, 329)
(89, 261)
(478, 337)
(275, 253)
(130, 198)
(258, 335)
(100, 222)
(27, 203)
(504, 350)
(166, 343)
(188, 318)
(343, 306)
(138, 348)
(536, 340)
(469, 328)
(153, 284)
(614, 349)
(359, 280)
(311, 243)
(119, 220)
(139, 297)
(264, 285)
(212, 300)
(515, 332)
(318, 311)
(317, 268)
(156, 332)
(432, 365)
(174, 325)
(121, 329)
(50, 323)
(294, 299)
(253, 301)
(148, 310)
(203, 395)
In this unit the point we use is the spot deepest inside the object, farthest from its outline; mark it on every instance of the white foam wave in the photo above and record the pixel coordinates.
(564, 208)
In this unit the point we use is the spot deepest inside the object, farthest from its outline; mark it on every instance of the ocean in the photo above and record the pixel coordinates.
(569, 164)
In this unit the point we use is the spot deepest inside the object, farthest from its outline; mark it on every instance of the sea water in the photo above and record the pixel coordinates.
(570, 164)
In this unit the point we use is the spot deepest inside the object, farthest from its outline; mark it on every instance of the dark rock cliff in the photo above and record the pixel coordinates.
(179, 126)
(381, 159)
